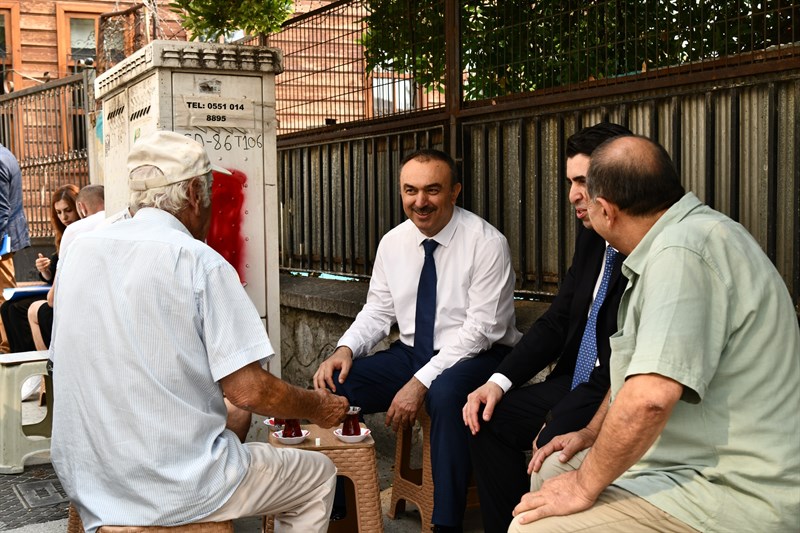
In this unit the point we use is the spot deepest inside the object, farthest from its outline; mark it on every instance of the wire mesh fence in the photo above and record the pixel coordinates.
(355, 60)
(330, 77)
(514, 47)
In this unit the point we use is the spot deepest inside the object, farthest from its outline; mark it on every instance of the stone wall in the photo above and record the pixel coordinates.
(315, 312)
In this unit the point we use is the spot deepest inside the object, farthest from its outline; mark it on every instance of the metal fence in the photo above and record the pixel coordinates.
(339, 198)
(734, 144)
(513, 46)
(724, 101)
(45, 128)
(329, 78)
(357, 60)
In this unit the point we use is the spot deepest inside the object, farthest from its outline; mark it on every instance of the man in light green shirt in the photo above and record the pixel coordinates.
(702, 432)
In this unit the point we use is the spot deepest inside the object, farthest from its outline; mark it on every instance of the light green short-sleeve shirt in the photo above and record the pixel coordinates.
(706, 307)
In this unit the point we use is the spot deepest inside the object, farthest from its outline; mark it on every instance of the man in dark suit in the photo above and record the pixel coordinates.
(12, 224)
(566, 400)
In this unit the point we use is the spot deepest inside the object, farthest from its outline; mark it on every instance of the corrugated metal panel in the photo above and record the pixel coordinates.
(722, 139)
(753, 157)
(693, 135)
(787, 259)
(735, 145)
(726, 143)
(339, 198)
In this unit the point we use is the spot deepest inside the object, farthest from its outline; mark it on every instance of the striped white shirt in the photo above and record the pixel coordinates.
(149, 320)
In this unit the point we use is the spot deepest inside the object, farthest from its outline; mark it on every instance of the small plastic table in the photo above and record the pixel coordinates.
(354, 461)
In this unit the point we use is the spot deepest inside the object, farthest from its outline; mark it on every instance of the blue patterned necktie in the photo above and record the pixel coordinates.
(587, 353)
(426, 302)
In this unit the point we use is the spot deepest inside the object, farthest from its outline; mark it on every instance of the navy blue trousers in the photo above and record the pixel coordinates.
(498, 450)
(372, 384)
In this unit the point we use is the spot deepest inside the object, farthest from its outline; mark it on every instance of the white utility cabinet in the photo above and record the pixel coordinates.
(224, 97)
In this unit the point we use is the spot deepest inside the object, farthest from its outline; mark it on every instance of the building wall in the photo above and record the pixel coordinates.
(323, 82)
(38, 35)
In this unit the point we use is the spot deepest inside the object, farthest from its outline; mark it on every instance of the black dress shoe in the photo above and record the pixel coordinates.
(338, 514)
(447, 529)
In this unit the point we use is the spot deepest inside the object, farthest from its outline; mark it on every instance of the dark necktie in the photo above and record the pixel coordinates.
(426, 302)
(587, 353)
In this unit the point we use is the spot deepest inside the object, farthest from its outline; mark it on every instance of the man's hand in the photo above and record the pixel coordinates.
(332, 409)
(406, 403)
(569, 444)
(342, 360)
(560, 496)
(488, 394)
(254, 389)
(618, 435)
(536, 438)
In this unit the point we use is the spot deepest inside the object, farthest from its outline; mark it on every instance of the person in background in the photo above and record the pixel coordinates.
(90, 204)
(516, 419)
(13, 224)
(14, 314)
(63, 212)
(444, 276)
(702, 431)
(157, 326)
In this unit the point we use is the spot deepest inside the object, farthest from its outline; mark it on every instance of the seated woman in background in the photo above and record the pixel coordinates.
(40, 319)
(63, 212)
(91, 208)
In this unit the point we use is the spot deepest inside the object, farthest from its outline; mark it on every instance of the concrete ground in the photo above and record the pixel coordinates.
(21, 512)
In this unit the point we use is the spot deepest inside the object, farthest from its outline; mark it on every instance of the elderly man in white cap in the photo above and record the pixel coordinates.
(154, 333)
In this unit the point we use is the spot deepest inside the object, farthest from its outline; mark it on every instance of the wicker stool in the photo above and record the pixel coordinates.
(16, 443)
(74, 525)
(416, 484)
(355, 462)
(198, 527)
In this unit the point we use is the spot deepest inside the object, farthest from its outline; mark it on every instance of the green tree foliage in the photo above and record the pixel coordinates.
(208, 19)
(406, 37)
(516, 46)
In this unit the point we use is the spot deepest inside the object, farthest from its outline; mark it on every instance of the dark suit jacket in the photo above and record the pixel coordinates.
(557, 336)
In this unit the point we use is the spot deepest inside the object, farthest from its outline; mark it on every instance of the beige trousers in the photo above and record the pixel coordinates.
(615, 510)
(552, 467)
(295, 486)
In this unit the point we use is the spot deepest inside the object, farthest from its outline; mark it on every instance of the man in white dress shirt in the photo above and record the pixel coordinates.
(91, 206)
(473, 324)
(154, 334)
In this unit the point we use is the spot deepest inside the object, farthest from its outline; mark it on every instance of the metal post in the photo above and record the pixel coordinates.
(452, 92)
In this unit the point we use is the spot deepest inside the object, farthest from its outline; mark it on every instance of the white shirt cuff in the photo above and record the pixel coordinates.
(502, 381)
